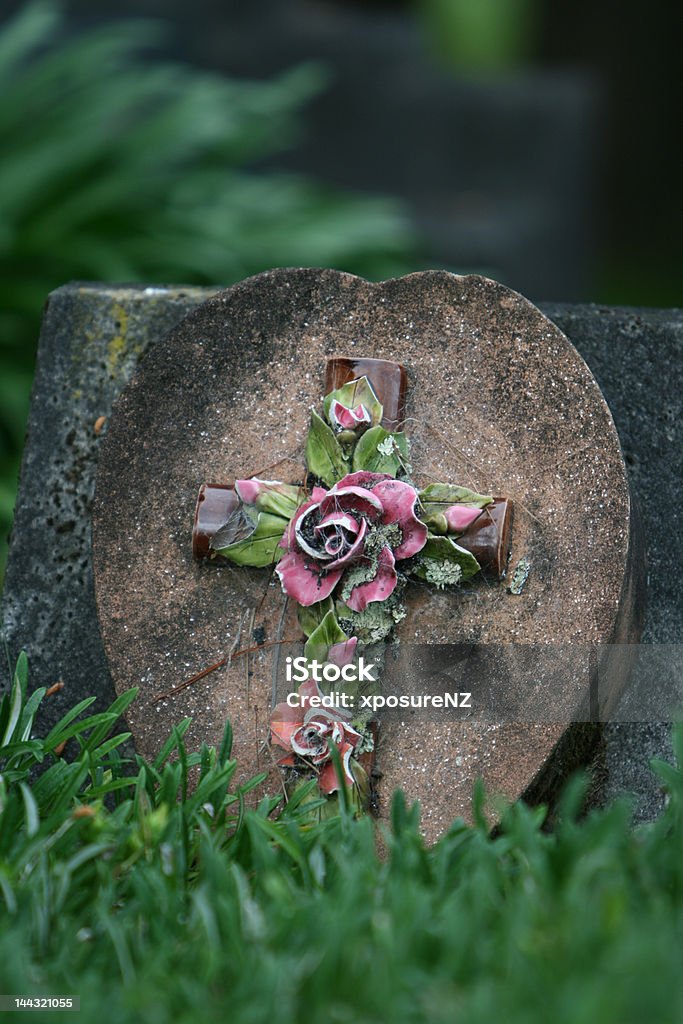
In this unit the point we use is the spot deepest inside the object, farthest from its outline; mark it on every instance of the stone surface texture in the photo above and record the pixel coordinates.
(636, 356)
(91, 341)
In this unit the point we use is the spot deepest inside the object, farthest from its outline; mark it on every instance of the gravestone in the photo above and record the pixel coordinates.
(498, 400)
(92, 339)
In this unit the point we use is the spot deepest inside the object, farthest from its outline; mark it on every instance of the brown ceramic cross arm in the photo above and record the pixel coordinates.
(488, 539)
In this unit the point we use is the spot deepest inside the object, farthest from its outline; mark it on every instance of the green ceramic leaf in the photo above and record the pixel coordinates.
(444, 551)
(379, 451)
(324, 454)
(311, 617)
(280, 499)
(356, 392)
(262, 546)
(438, 497)
(329, 632)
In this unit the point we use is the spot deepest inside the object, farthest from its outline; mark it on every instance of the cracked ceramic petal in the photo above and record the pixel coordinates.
(379, 588)
(398, 501)
(303, 580)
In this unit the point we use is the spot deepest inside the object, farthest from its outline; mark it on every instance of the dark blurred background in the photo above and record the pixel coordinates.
(535, 142)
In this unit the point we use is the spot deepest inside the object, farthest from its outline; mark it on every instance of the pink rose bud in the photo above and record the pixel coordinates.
(270, 496)
(343, 653)
(343, 418)
(459, 517)
(249, 490)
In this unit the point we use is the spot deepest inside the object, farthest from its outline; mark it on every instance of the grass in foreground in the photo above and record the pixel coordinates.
(118, 884)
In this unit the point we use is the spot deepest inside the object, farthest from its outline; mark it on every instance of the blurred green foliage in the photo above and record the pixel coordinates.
(489, 35)
(116, 167)
(155, 892)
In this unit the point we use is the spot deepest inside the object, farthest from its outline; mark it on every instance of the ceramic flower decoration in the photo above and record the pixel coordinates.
(308, 733)
(344, 547)
(351, 535)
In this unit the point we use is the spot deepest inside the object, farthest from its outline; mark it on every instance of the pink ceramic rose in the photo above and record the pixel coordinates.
(353, 533)
(309, 732)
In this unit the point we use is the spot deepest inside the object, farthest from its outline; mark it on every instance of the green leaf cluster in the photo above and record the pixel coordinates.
(439, 497)
(311, 616)
(436, 498)
(154, 887)
(321, 625)
(330, 456)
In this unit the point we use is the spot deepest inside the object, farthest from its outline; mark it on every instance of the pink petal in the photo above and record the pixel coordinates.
(339, 519)
(377, 589)
(307, 690)
(288, 541)
(459, 517)
(343, 653)
(328, 781)
(338, 523)
(346, 418)
(318, 493)
(398, 500)
(334, 545)
(351, 735)
(284, 722)
(357, 500)
(249, 490)
(362, 479)
(298, 526)
(305, 747)
(301, 579)
(353, 551)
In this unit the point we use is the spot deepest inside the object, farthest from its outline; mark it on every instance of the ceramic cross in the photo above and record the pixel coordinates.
(335, 540)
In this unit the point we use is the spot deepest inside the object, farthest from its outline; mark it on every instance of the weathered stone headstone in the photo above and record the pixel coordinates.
(498, 400)
(91, 342)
